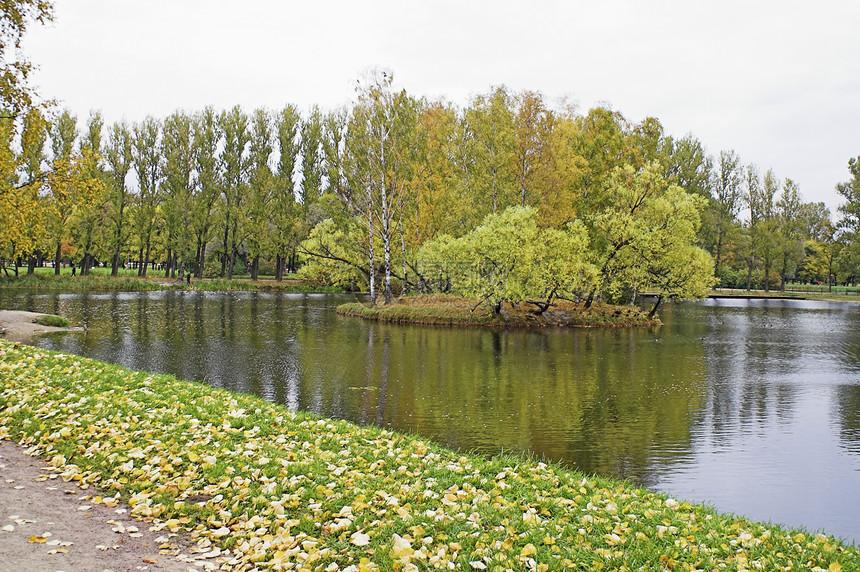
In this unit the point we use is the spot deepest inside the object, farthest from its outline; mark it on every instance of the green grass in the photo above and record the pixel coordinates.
(440, 309)
(52, 320)
(132, 283)
(281, 490)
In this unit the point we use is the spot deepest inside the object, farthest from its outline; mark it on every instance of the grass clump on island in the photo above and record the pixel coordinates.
(266, 488)
(52, 320)
(442, 309)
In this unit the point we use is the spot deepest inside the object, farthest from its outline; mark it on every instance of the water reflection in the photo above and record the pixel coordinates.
(742, 404)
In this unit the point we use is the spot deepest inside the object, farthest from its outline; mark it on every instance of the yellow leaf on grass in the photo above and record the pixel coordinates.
(835, 567)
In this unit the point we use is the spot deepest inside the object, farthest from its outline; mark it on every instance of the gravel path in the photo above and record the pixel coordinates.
(48, 525)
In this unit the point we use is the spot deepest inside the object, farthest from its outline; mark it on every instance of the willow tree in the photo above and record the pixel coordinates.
(646, 238)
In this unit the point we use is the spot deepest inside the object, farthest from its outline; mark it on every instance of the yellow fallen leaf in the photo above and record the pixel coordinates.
(835, 567)
(528, 550)
(37, 539)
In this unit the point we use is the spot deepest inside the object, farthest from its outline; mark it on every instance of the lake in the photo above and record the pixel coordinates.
(752, 406)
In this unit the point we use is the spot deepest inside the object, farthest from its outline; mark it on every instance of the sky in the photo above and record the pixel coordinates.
(777, 81)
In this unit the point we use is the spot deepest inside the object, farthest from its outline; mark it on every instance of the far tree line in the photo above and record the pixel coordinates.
(397, 192)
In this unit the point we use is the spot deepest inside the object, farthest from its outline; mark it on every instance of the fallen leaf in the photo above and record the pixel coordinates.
(37, 540)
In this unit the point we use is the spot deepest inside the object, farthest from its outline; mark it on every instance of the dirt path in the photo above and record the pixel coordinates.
(48, 525)
(18, 326)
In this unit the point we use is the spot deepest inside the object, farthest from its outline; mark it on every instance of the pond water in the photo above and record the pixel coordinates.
(752, 406)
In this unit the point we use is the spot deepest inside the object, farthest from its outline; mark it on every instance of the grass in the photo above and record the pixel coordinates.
(52, 320)
(440, 309)
(104, 282)
(273, 489)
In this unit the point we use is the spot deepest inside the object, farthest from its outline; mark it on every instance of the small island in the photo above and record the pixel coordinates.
(448, 310)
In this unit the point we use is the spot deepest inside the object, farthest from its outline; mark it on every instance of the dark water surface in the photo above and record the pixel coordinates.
(751, 406)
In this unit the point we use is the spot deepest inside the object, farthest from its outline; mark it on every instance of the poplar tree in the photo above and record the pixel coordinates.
(284, 212)
(177, 148)
(118, 154)
(260, 189)
(147, 161)
(234, 126)
(209, 181)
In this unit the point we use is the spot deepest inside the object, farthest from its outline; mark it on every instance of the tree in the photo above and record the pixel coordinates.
(147, 161)
(234, 125)
(22, 210)
(177, 148)
(260, 189)
(509, 258)
(209, 179)
(91, 193)
(382, 147)
(61, 182)
(492, 137)
(646, 238)
(16, 96)
(284, 214)
(763, 218)
(727, 191)
(790, 229)
(118, 154)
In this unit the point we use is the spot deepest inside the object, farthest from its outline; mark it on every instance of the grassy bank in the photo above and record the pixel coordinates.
(279, 490)
(134, 284)
(439, 309)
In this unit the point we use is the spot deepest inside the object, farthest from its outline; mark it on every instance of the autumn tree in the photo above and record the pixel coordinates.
(382, 147)
(61, 182)
(492, 136)
(208, 182)
(91, 199)
(284, 211)
(178, 169)
(728, 198)
(261, 185)
(118, 155)
(234, 126)
(147, 161)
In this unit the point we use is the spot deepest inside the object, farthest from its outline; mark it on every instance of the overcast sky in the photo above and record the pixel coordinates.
(778, 81)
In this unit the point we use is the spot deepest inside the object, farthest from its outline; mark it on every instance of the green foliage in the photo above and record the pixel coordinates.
(332, 257)
(508, 258)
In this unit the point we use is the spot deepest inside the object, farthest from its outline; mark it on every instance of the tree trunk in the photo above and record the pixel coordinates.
(31, 265)
(57, 259)
(656, 305)
(146, 257)
(255, 267)
(201, 261)
(371, 258)
(719, 247)
(141, 264)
